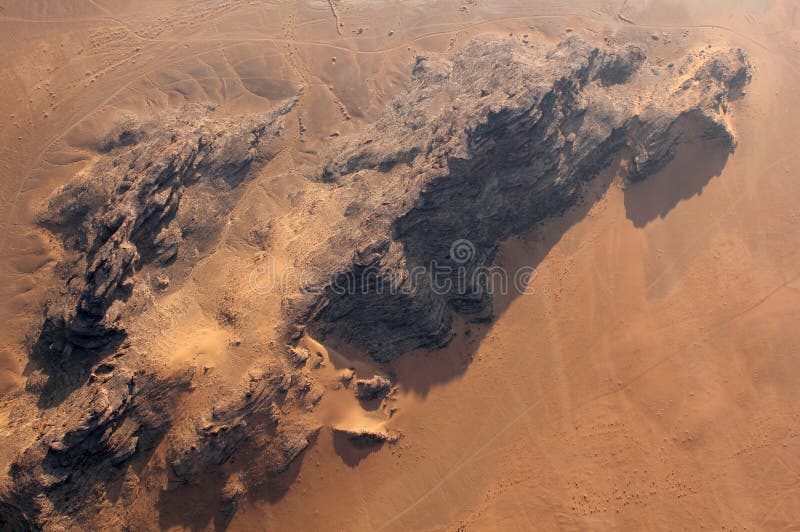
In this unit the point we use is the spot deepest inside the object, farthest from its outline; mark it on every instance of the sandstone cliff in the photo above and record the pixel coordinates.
(482, 146)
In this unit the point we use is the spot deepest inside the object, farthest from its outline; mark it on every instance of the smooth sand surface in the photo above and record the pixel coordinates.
(648, 377)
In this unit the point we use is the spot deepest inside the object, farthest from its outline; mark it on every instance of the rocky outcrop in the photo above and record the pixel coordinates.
(106, 405)
(101, 438)
(374, 388)
(119, 414)
(247, 420)
(365, 436)
(483, 147)
(122, 214)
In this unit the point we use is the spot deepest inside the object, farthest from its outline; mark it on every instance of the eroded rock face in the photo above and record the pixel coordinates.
(118, 414)
(100, 440)
(483, 147)
(123, 213)
(106, 405)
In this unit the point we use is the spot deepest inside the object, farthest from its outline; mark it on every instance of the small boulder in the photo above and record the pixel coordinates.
(162, 281)
(366, 436)
(298, 355)
(374, 388)
(296, 332)
(317, 360)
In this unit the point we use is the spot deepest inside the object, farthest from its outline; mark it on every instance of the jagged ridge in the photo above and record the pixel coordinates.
(481, 147)
(490, 143)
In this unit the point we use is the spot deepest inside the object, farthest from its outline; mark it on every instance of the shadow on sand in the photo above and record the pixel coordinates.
(694, 165)
(352, 451)
(198, 506)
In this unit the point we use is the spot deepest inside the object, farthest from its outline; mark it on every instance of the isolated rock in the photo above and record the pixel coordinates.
(298, 355)
(366, 436)
(316, 361)
(162, 281)
(374, 388)
(232, 494)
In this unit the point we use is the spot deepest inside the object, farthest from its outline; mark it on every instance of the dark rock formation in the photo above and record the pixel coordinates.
(374, 388)
(482, 146)
(107, 406)
(103, 434)
(120, 413)
(485, 146)
(365, 436)
(122, 214)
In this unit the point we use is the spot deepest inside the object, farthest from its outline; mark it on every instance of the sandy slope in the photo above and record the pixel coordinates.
(648, 377)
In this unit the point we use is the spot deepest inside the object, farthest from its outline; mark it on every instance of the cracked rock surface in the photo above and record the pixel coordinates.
(482, 146)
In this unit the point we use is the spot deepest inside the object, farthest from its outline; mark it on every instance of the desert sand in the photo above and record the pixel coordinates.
(647, 377)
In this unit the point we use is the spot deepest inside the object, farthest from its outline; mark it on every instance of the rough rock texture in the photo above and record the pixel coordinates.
(214, 441)
(123, 213)
(481, 147)
(118, 414)
(100, 439)
(484, 146)
(106, 406)
(374, 388)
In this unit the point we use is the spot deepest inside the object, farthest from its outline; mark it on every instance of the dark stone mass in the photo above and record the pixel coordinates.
(480, 147)
(486, 145)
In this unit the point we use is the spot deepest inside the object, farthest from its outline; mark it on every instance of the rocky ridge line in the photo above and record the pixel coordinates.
(483, 147)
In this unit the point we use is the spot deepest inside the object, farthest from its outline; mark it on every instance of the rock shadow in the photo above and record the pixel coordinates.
(353, 450)
(422, 369)
(199, 506)
(694, 165)
(54, 376)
